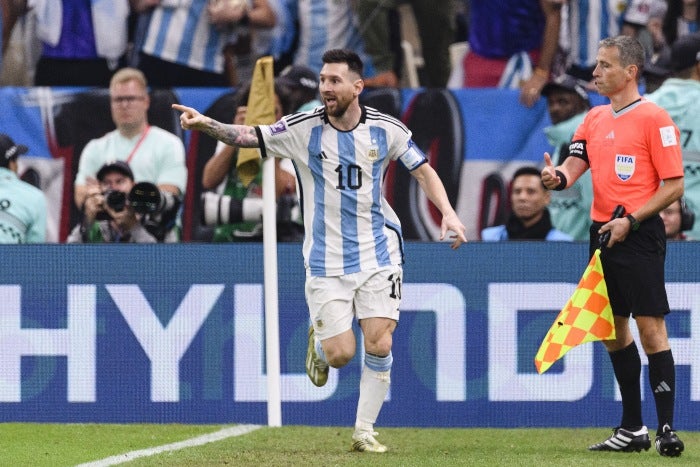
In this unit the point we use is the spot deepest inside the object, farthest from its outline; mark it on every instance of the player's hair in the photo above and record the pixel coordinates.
(631, 51)
(346, 56)
(127, 74)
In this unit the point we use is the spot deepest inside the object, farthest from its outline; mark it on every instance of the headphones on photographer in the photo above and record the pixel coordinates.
(687, 216)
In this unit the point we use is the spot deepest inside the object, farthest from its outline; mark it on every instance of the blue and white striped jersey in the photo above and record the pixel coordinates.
(182, 34)
(349, 226)
(585, 23)
(325, 25)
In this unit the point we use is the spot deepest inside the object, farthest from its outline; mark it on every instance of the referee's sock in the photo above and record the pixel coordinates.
(627, 367)
(662, 377)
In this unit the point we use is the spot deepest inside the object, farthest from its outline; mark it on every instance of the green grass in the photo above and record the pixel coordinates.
(70, 444)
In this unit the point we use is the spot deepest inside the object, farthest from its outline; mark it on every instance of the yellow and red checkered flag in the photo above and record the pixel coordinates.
(586, 317)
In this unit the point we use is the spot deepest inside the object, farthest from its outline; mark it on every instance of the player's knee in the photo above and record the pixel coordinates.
(338, 357)
(380, 346)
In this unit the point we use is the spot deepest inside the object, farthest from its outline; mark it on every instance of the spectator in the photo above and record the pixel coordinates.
(657, 69)
(677, 218)
(529, 219)
(177, 45)
(11, 11)
(436, 23)
(679, 96)
(108, 216)
(584, 24)
(300, 85)
(512, 44)
(249, 29)
(83, 42)
(643, 19)
(328, 24)
(153, 154)
(242, 219)
(22, 206)
(567, 104)
(682, 17)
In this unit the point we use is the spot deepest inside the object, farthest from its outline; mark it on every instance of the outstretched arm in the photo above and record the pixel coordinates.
(431, 184)
(242, 136)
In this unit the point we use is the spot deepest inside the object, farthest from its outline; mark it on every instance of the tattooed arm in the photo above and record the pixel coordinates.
(242, 136)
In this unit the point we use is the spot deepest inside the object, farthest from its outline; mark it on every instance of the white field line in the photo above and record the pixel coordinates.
(237, 430)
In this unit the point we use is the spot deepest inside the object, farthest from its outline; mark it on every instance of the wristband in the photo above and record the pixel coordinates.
(563, 182)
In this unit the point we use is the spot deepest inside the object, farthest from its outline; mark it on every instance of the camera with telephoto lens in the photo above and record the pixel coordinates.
(115, 200)
(159, 208)
(221, 209)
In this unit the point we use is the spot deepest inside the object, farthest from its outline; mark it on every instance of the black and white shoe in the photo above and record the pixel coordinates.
(625, 441)
(668, 444)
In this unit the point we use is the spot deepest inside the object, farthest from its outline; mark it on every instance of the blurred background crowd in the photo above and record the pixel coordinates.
(133, 51)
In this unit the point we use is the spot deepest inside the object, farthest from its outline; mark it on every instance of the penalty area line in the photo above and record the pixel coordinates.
(224, 433)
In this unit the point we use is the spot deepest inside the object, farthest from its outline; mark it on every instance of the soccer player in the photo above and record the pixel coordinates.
(631, 146)
(353, 249)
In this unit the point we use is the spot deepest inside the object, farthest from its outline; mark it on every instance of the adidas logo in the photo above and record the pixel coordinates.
(662, 387)
(611, 135)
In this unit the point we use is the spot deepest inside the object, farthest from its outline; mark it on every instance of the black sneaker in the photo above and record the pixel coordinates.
(668, 443)
(625, 441)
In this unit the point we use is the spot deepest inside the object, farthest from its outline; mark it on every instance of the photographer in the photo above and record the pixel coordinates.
(153, 154)
(235, 209)
(108, 217)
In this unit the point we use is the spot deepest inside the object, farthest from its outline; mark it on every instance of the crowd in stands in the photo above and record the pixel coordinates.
(543, 48)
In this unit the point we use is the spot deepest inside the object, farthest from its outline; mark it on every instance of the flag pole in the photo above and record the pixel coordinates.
(274, 402)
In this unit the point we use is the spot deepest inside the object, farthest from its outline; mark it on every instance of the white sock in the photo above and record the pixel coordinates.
(374, 386)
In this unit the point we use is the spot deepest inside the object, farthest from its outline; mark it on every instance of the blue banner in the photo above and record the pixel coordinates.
(175, 333)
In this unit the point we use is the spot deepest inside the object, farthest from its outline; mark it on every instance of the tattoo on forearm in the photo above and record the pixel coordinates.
(241, 136)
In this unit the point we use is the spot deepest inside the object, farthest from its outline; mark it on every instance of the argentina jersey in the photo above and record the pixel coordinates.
(325, 25)
(182, 34)
(349, 226)
(587, 23)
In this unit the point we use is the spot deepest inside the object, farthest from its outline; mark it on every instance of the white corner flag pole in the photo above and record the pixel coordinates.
(272, 347)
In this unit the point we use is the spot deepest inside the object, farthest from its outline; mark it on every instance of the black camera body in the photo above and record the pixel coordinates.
(115, 200)
(159, 208)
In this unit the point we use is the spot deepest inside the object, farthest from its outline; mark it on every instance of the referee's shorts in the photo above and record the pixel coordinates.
(634, 270)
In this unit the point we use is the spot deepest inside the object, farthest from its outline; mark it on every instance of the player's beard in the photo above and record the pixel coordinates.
(338, 108)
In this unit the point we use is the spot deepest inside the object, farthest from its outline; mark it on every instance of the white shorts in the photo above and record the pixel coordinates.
(334, 301)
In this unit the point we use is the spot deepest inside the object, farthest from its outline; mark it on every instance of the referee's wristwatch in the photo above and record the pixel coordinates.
(633, 221)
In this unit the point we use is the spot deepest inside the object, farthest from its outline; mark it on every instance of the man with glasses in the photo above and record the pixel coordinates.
(154, 154)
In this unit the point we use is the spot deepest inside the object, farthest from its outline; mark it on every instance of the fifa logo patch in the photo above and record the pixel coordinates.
(278, 127)
(624, 167)
(373, 153)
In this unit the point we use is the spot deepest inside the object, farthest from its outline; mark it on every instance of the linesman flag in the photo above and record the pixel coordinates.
(261, 110)
(586, 317)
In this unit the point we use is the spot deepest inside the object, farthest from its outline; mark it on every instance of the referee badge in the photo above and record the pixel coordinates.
(624, 166)
(373, 153)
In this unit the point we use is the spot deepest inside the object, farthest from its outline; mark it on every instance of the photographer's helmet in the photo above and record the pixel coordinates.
(115, 166)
